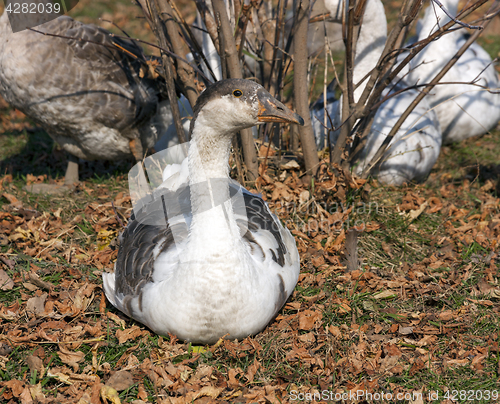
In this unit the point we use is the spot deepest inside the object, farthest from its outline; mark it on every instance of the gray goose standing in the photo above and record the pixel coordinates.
(91, 99)
(223, 270)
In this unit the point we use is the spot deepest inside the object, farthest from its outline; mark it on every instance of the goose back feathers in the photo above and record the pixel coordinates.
(89, 94)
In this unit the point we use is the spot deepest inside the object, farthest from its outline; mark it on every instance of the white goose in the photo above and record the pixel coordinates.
(415, 148)
(89, 98)
(226, 271)
(463, 110)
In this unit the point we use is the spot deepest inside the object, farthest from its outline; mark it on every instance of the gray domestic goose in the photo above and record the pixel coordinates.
(93, 100)
(221, 269)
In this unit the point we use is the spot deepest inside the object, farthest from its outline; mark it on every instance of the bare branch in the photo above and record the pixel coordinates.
(463, 24)
(234, 69)
(301, 20)
(184, 70)
(168, 70)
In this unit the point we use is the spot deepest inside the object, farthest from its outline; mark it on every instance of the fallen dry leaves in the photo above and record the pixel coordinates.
(326, 337)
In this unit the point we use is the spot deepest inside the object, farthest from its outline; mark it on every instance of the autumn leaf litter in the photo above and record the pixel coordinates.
(414, 291)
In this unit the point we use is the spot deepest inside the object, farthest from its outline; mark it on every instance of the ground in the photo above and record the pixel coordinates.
(408, 306)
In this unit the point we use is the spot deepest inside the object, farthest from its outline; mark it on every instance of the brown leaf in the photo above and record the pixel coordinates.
(435, 205)
(304, 197)
(482, 302)
(130, 333)
(318, 261)
(427, 340)
(35, 363)
(5, 282)
(35, 280)
(10, 313)
(120, 380)
(372, 226)
(392, 350)
(307, 338)
(265, 150)
(85, 399)
(14, 202)
(312, 299)
(388, 363)
(32, 179)
(70, 358)
(405, 330)
(233, 383)
(252, 370)
(281, 191)
(446, 315)
(36, 392)
(141, 392)
(343, 305)
(10, 263)
(84, 297)
(385, 294)
(308, 318)
(15, 386)
(116, 319)
(4, 180)
(208, 391)
(335, 331)
(102, 304)
(26, 396)
(290, 165)
(36, 305)
(477, 362)
(30, 286)
(451, 363)
(413, 214)
(417, 366)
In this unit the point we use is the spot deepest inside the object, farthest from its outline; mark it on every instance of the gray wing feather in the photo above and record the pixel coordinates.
(260, 218)
(135, 263)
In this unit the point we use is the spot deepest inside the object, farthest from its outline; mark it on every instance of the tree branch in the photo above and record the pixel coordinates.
(234, 68)
(300, 85)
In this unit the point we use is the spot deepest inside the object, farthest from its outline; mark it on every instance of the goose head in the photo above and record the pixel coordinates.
(228, 106)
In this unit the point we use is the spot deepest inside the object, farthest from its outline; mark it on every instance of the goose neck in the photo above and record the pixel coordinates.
(208, 157)
(213, 231)
(371, 42)
(208, 166)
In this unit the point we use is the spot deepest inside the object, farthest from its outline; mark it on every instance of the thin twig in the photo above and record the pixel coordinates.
(168, 69)
(144, 59)
(463, 24)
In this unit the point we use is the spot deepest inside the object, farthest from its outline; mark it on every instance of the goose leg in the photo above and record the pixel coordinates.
(71, 176)
(70, 179)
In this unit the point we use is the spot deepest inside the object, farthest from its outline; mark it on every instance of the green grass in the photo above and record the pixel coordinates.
(490, 44)
(385, 252)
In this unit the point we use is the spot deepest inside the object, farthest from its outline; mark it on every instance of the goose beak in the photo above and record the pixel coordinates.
(271, 110)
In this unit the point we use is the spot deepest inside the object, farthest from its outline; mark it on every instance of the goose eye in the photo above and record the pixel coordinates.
(237, 93)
